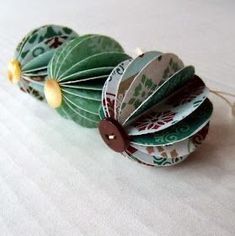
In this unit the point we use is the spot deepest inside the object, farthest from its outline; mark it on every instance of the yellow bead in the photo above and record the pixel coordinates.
(14, 71)
(53, 93)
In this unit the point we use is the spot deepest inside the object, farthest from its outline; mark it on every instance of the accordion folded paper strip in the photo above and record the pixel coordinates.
(29, 67)
(154, 109)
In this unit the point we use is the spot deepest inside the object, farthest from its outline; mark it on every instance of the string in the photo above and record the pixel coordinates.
(222, 97)
(221, 94)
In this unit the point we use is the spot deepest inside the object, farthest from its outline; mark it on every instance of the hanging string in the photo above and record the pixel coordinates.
(221, 94)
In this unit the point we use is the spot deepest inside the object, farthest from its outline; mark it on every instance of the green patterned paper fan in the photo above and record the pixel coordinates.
(155, 110)
(28, 69)
(76, 75)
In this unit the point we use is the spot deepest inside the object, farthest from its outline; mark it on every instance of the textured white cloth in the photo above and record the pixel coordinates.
(57, 178)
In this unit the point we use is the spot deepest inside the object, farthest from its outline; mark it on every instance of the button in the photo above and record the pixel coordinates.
(14, 71)
(113, 135)
(53, 93)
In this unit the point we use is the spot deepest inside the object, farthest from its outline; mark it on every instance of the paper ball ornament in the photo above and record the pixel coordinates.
(28, 69)
(77, 73)
(154, 110)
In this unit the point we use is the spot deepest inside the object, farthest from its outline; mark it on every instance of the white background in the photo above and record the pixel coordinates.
(57, 178)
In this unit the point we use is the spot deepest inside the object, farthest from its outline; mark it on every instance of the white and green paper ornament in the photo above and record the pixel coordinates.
(28, 68)
(76, 75)
(154, 110)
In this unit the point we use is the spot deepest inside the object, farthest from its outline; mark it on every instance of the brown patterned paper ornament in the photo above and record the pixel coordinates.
(154, 109)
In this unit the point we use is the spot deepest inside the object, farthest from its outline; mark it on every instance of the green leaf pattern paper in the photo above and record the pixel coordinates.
(129, 73)
(175, 82)
(111, 86)
(170, 118)
(178, 149)
(34, 53)
(180, 131)
(172, 110)
(146, 82)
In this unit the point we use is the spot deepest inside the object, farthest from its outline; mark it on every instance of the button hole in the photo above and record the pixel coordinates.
(110, 136)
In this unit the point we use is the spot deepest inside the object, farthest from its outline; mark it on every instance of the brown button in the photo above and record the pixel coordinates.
(113, 135)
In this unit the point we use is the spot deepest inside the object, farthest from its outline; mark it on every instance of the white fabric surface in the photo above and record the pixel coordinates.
(57, 178)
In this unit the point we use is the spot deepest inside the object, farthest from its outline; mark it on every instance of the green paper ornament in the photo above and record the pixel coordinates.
(76, 74)
(154, 110)
(28, 68)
